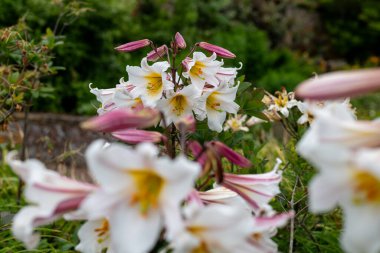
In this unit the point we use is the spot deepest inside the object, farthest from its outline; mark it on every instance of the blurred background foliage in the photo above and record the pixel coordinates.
(279, 42)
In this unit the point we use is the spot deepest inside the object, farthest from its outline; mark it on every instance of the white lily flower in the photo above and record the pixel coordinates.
(257, 189)
(227, 75)
(265, 228)
(334, 132)
(282, 102)
(50, 194)
(215, 229)
(202, 69)
(214, 104)
(310, 108)
(150, 81)
(236, 123)
(178, 105)
(105, 97)
(140, 193)
(94, 237)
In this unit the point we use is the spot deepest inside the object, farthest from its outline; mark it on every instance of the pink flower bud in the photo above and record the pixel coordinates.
(180, 41)
(187, 123)
(234, 157)
(132, 46)
(122, 119)
(340, 84)
(134, 136)
(222, 52)
(154, 55)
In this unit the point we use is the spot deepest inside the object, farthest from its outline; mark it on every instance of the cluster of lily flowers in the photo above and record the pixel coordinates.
(346, 153)
(202, 86)
(148, 195)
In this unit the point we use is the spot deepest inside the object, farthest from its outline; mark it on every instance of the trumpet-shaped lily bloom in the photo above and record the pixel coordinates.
(264, 228)
(214, 104)
(202, 69)
(95, 237)
(50, 194)
(227, 75)
(150, 81)
(140, 193)
(105, 97)
(257, 189)
(215, 229)
(178, 105)
(122, 119)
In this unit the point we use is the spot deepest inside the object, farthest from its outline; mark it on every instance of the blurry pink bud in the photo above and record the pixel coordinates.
(134, 45)
(134, 136)
(122, 119)
(225, 151)
(222, 52)
(154, 55)
(180, 41)
(198, 152)
(187, 124)
(340, 84)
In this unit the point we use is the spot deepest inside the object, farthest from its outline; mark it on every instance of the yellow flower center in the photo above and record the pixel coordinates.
(178, 104)
(154, 85)
(281, 101)
(212, 102)
(235, 124)
(149, 186)
(196, 70)
(103, 231)
(197, 231)
(367, 187)
(202, 248)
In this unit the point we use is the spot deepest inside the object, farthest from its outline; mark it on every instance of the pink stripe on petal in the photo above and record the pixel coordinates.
(251, 179)
(249, 200)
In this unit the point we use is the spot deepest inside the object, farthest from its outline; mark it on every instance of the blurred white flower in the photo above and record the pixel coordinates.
(94, 237)
(236, 123)
(140, 193)
(215, 229)
(50, 194)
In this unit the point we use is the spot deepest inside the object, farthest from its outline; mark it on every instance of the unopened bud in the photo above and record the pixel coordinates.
(222, 52)
(134, 45)
(180, 41)
(155, 54)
